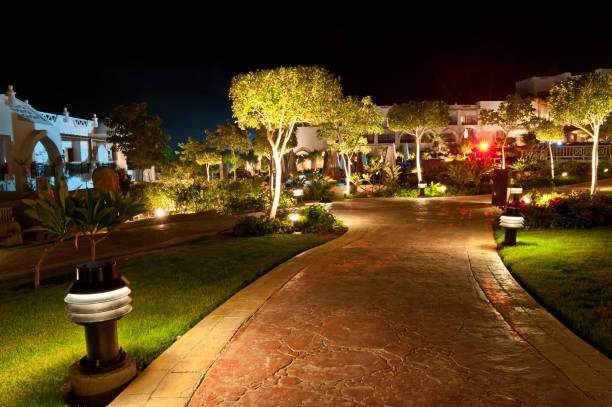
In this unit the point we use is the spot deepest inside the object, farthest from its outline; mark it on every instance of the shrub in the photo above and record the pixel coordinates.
(252, 226)
(198, 195)
(531, 161)
(435, 189)
(406, 193)
(318, 219)
(574, 168)
(574, 210)
(319, 186)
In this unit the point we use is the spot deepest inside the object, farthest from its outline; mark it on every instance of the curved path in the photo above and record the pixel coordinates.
(394, 316)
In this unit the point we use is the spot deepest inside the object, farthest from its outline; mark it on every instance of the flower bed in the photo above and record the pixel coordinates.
(573, 210)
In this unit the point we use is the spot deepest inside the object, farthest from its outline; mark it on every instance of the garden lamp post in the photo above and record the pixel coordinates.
(96, 299)
(511, 221)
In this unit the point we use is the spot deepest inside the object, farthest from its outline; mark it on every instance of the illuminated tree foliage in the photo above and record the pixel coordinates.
(200, 153)
(549, 131)
(137, 134)
(418, 119)
(514, 114)
(346, 128)
(586, 103)
(277, 100)
(230, 137)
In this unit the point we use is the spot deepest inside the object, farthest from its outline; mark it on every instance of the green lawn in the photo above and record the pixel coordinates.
(570, 273)
(172, 290)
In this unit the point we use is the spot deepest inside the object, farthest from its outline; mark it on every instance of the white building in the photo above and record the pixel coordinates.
(40, 147)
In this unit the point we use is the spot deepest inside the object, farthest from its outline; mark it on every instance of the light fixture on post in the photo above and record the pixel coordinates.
(422, 186)
(511, 221)
(514, 193)
(97, 298)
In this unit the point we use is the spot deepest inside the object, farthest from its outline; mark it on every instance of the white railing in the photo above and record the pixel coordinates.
(580, 152)
(49, 116)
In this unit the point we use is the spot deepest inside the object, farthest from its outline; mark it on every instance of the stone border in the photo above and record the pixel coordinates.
(172, 378)
(587, 368)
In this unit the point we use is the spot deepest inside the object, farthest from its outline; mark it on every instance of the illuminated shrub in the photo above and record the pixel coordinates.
(566, 210)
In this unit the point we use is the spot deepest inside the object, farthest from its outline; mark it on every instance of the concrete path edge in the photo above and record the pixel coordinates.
(172, 378)
(586, 367)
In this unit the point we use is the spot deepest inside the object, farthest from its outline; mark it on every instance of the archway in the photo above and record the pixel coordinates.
(44, 158)
(102, 154)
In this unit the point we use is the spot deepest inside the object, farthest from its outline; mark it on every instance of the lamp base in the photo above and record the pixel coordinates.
(99, 389)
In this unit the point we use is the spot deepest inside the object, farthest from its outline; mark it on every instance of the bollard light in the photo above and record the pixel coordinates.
(298, 192)
(325, 202)
(511, 221)
(564, 174)
(513, 193)
(97, 298)
(422, 186)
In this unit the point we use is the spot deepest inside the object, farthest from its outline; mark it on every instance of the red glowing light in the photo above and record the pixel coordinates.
(484, 146)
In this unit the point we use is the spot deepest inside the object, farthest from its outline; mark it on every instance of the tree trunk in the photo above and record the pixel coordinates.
(93, 249)
(418, 157)
(234, 162)
(347, 171)
(208, 172)
(277, 183)
(552, 162)
(504, 155)
(594, 159)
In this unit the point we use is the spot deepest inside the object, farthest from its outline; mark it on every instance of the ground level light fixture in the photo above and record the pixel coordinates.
(294, 217)
(159, 212)
(511, 221)
(564, 174)
(513, 193)
(96, 299)
(422, 186)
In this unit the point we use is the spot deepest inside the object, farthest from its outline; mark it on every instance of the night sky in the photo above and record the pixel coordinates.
(181, 62)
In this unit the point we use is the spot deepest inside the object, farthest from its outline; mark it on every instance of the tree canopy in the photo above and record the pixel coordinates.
(584, 102)
(418, 118)
(279, 99)
(137, 134)
(515, 113)
(346, 128)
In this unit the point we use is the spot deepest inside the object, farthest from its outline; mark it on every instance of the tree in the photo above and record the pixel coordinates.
(551, 133)
(586, 103)
(418, 118)
(346, 127)
(230, 137)
(278, 100)
(513, 114)
(137, 134)
(200, 153)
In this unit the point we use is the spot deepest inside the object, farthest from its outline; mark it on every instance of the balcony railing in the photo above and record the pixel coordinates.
(78, 168)
(580, 152)
(41, 170)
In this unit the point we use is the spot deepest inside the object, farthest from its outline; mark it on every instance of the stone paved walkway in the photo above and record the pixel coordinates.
(392, 317)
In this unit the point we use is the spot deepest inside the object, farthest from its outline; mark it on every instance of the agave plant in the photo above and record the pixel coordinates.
(53, 210)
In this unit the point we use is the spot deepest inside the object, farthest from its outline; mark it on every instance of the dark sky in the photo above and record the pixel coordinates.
(181, 61)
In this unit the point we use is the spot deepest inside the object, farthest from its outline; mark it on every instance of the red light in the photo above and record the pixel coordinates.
(484, 146)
